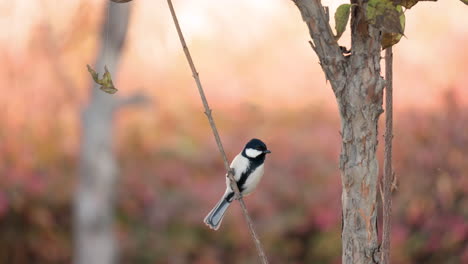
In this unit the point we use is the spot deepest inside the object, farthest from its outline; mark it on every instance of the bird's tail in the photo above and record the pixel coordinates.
(214, 218)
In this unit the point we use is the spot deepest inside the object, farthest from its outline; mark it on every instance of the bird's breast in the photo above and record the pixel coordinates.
(252, 180)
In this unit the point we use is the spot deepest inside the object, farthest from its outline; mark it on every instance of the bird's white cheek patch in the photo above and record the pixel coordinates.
(252, 153)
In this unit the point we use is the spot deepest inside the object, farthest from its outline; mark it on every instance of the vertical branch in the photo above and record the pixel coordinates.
(230, 175)
(388, 173)
(323, 42)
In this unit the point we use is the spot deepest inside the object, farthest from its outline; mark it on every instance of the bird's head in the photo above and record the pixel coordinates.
(255, 148)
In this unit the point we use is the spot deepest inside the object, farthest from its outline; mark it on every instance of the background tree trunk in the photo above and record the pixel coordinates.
(94, 199)
(358, 87)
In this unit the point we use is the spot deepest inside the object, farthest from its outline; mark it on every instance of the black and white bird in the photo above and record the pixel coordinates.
(248, 170)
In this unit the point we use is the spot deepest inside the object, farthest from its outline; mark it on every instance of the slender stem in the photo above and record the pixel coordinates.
(234, 186)
(388, 173)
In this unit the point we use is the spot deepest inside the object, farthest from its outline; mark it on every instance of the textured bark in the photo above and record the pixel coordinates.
(358, 86)
(94, 199)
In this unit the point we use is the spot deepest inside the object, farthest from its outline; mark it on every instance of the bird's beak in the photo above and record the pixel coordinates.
(266, 151)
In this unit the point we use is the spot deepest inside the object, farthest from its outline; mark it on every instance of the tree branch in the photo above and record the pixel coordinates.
(387, 176)
(230, 174)
(324, 44)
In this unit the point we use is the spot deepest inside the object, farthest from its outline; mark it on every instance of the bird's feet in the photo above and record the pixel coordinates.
(237, 197)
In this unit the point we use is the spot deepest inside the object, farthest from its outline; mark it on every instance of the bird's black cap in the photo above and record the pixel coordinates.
(258, 145)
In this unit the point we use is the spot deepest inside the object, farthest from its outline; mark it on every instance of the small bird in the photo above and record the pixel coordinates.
(248, 170)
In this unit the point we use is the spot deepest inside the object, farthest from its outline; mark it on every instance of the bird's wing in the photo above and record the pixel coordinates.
(240, 164)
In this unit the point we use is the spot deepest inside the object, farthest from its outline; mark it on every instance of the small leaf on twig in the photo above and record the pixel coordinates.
(390, 39)
(341, 19)
(106, 82)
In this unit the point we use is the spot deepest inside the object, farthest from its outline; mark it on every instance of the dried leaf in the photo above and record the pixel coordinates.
(390, 39)
(465, 2)
(341, 19)
(93, 74)
(383, 15)
(106, 82)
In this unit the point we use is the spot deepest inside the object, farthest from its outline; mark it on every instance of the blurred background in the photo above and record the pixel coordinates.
(262, 80)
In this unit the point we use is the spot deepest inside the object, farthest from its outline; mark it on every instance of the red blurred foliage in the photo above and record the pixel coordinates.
(172, 176)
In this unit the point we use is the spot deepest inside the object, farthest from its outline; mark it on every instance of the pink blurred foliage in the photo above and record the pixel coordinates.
(166, 190)
(325, 218)
(3, 204)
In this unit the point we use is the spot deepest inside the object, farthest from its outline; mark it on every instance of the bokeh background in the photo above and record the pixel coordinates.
(262, 80)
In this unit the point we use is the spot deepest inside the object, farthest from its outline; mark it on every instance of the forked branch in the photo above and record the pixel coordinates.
(324, 44)
(230, 175)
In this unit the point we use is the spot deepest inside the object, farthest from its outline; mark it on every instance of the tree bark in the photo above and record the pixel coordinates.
(358, 86)
(94, 199)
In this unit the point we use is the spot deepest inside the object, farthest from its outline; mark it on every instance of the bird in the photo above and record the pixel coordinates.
(248, 169)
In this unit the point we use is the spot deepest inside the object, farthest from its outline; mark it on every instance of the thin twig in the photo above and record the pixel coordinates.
(387, 176)
(230, 174)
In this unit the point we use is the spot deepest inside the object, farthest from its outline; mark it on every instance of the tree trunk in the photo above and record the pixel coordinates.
(360, 106)
(359, 173)
(358, 87)
(94, 199)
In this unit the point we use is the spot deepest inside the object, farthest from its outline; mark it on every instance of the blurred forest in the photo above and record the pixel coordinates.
(262, 81)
